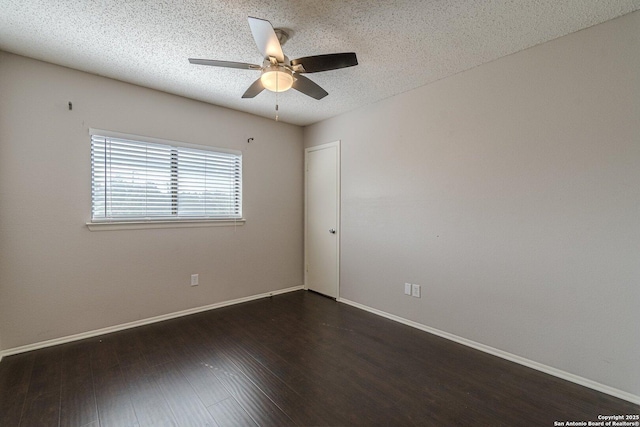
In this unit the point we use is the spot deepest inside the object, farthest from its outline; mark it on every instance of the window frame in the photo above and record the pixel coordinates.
(161, 222)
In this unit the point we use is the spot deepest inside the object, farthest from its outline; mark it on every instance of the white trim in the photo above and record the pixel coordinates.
(503, 354)
(338, 146)
(129, 325)
(140, 225)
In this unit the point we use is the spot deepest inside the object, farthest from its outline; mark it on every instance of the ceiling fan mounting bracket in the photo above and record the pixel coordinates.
(283, 35)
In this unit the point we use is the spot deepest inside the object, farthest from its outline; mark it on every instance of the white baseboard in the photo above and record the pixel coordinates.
(503, 354)
(116, 328)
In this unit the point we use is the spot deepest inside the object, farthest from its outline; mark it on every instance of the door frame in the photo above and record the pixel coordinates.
(338, 228)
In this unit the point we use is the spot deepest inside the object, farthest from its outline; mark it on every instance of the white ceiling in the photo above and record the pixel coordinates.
(400, 44)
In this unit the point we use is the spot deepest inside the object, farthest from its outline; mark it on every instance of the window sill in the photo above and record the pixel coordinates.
(143, 225)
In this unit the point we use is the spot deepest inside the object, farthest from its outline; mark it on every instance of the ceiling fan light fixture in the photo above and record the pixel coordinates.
(276, 78)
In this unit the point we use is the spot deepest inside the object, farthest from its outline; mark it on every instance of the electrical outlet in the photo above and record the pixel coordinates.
(194, 280)
(415, 291)
(407, 288)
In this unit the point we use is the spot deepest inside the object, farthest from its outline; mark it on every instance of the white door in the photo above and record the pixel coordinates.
(322, 215)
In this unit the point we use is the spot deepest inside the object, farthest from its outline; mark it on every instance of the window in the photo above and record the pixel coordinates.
(143, 179)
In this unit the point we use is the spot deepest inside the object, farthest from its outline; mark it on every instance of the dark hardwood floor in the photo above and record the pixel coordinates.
(294, 359)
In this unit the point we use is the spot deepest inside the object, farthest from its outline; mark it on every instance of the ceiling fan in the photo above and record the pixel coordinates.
(278, 72)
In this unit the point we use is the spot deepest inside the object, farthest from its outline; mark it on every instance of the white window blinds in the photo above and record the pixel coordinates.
(135, 180)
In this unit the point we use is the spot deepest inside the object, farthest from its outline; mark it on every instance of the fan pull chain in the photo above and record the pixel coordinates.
(277, 98)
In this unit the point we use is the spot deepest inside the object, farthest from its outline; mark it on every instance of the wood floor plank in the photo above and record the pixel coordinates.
(325, 368)
(42, 411)
(183, 401)
(407, 379)
(228, 413)
(42, 401)
(130, 353)
(317, 404)
(256, 403)
(250, 382)
(77, 403)
(207, 386)
(286, 398)
(322, 377)
(128, 348)
(77, 400)
(149, 403)
(478, 396)
(155, 344)
(113, 401)
(103, 354)
(187, 348)
(15, 374)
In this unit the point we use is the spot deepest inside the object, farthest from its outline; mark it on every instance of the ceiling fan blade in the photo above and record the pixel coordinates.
(255, 88)
(226, 64)
(332, 61)
(306, 86)
(266, 38)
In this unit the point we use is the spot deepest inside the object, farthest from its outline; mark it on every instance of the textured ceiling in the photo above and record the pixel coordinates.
(401, 44)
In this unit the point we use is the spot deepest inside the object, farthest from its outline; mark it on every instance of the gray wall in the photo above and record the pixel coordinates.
(511, 193)
(57, 278)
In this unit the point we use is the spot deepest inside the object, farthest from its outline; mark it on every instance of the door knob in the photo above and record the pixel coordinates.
(332, 231)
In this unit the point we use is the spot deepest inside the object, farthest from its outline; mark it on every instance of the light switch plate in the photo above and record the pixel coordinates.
(415, 291)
